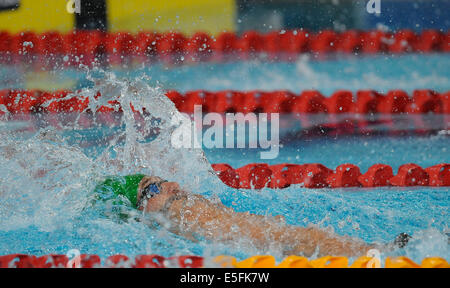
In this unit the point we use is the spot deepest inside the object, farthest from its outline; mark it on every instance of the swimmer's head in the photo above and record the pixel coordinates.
(157, 193)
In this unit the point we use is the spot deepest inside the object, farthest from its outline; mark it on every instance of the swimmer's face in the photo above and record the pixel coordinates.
(157, 202)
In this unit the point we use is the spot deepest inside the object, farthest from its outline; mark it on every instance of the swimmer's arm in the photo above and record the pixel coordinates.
(188, 235)
(220, 223)
(266, 231)
(198, 216)
(307, 241)
(174, 226)
(217, 222)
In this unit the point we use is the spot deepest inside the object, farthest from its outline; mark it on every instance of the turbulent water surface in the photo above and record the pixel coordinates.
(48, 175)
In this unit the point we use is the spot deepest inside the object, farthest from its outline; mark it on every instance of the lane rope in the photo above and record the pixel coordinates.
(88, 47)
(259, 261)
(279, 176)
(366, 102)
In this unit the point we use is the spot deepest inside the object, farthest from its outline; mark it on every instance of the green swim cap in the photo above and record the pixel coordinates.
(126, 186)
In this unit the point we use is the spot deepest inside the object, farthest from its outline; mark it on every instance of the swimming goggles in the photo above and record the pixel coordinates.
(150, 191)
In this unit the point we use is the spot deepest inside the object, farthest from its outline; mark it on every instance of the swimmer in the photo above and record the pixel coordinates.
(194, 217)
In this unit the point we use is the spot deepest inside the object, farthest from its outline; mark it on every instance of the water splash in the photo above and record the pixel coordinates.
(160, 120)
(43, 183)
(60, 175)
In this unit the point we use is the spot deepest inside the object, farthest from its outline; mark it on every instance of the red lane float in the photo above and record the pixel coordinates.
(377, 175)
(87, 47)
(283, 175)
(439, 175)
(345, 175)
(258, 176)
(254, 176)
(227, 174)
(410, 175)
(92, 261)
(311, 102)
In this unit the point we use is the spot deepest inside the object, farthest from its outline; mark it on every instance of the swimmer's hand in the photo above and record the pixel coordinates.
(402, 240)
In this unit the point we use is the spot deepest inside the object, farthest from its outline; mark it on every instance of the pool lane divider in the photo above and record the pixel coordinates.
(365, 102)
(259, 261)
(314, 102)
(115, 48)
(260, 175)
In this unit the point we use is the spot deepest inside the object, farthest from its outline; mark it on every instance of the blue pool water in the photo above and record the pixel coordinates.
(382, 73)
(57, 212)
